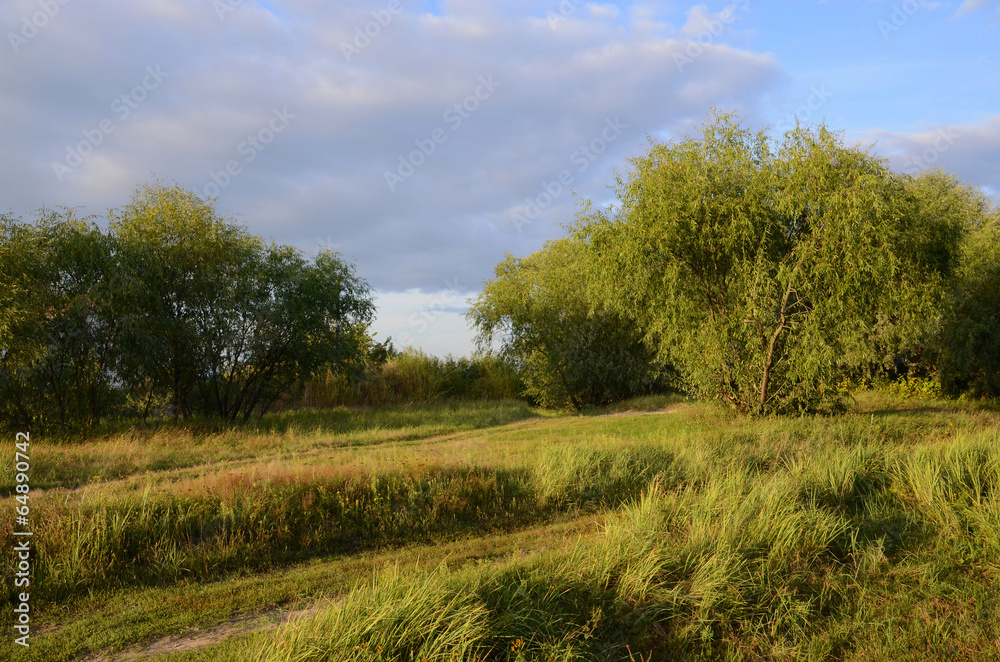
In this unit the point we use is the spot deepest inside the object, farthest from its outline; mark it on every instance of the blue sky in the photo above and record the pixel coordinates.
(456, 131)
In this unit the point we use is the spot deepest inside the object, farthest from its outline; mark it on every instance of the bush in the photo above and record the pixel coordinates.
(915, 387)
(414, 376)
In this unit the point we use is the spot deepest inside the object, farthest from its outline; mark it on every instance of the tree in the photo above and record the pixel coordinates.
(183, 266)
(22, 344)
(59, 363)
(228, 322)
(9, 291)
(970, 361)
(287, 320)
(943, 215)
(172, 304)
(765, 272)
(570, 349)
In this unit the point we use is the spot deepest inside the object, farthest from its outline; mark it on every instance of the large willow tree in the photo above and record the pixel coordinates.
(765, 271)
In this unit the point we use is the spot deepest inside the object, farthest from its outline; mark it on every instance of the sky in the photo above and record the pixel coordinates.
(426, 140)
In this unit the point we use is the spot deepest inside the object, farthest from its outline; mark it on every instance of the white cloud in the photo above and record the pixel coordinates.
(603, 11)
(323, 177)
(970, 6)
(354, 120)
(971, 151)
(701, 21)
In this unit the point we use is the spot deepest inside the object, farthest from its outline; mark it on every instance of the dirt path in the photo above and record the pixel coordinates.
(196, 638)
(526, 541)
(269, 620)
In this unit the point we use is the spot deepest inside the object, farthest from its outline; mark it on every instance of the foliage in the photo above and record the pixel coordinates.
(767, 272)
(275, 319)
(944, 215)
(9, 313)
(971, 338)
(172, 304)
(413, 376)
(915, 387)
(570, 349)
(58, 360)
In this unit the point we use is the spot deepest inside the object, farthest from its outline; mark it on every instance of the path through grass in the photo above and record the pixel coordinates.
(870, 535)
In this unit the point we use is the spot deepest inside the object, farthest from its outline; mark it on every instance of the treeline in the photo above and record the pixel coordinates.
(767, 274)
(171, 310)
(763, 273)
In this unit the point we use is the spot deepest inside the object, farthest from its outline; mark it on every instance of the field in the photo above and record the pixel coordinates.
(661, 530)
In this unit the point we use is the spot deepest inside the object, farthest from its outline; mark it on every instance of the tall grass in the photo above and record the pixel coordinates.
(414, 376)
(767, 539)
(263, 516)
(254, 521)
(173, 445)
(794, 563)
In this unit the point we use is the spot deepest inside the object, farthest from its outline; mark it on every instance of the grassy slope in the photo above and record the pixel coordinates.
(870, 536)
(117, 620)
(890, 548)
(200, 446)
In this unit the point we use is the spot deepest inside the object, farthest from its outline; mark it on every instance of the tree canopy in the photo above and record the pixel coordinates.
(970, 342)
(766, 271)
(571, 349)
(172, 306)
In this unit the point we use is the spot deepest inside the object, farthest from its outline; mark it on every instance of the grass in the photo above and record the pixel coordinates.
(118, 619)
(820, 560)
(258, 518)
(870, 535)
(167, 445)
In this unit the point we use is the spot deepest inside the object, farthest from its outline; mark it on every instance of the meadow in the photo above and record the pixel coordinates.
(660, 529)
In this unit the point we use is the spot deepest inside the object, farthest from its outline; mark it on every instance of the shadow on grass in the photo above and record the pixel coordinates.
(470, 414)
(143, 539)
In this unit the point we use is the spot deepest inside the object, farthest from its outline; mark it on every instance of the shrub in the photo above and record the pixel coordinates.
(414, 376)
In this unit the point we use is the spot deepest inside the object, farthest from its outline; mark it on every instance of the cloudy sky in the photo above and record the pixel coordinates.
(424, 140)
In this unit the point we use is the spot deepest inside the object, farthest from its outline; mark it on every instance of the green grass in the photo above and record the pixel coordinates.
(117, 619)
(869, 535)
(862, 553)
(70, 462)
(259, 519)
